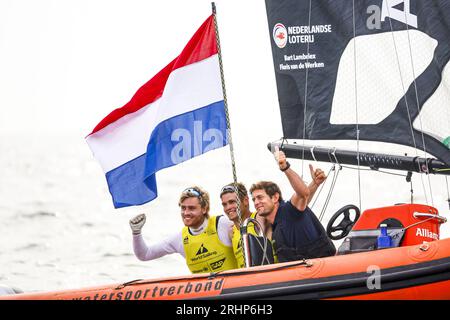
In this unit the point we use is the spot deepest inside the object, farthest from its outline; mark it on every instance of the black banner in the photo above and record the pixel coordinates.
(316, 47)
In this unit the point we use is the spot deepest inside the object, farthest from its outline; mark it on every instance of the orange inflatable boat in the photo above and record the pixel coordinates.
(416, 267)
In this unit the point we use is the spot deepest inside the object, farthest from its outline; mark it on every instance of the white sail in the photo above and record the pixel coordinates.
(383, 73)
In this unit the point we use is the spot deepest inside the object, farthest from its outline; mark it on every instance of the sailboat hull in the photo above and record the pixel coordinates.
(412, 272)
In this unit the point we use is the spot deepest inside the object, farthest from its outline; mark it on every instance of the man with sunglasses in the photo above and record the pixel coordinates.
(204, 241)
(230, 207)
(228, 196)
(294, 229)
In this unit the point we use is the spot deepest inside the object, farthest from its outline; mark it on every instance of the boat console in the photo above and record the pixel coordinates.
(405, 225)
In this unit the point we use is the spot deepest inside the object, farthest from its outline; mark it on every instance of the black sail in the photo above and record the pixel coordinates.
(401, 50)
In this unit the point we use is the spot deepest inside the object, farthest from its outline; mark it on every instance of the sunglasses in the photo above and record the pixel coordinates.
(228, 189)
(193, 191)
(233, 189)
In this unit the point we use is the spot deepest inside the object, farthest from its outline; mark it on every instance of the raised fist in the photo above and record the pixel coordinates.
(137, 223)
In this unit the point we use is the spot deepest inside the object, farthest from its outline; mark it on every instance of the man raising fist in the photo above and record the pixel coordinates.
(294, 229)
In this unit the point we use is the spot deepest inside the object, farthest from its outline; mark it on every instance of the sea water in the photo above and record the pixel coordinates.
(58, 227)
(59, 230)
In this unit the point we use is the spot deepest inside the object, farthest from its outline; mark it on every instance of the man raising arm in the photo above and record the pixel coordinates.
(204, 241)
(295, 230)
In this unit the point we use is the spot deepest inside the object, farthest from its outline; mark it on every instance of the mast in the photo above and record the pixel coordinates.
(229, 138)
(244, 236)
(374, 161)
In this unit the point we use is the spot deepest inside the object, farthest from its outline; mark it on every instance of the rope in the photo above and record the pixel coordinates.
(229, 137)
(263, 247)
(356, 105)
(404, 95)
(213, 275)
(377, 170)
(327, 200)
(306, 92)
(415, 224)
(417, 103)
(227, 115)
(333, 168)
(320, 189)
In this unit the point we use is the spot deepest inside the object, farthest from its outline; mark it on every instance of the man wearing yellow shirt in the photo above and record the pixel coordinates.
(204, 240)
(230, 205)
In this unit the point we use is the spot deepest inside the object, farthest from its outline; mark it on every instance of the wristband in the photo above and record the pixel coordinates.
(288, 165)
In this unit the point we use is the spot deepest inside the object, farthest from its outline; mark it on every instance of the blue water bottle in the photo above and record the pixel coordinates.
(384, 240)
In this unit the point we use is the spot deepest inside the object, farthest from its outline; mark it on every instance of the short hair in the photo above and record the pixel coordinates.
(196, 192)
(231, 188)
(269, 187)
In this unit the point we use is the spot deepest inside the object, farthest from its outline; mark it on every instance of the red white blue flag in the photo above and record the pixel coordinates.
(177, 115)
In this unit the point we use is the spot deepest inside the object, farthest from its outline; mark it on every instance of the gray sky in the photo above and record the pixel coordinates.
(66, 64)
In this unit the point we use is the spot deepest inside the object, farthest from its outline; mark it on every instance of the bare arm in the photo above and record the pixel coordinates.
(302, 192)
(318, 177)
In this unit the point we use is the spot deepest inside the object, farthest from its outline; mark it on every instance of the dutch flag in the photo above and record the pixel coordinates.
(185, 99)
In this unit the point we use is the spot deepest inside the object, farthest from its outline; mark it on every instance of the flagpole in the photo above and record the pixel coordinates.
(230, 140)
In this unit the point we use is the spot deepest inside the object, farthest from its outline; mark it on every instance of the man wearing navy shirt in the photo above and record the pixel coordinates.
(294, 229)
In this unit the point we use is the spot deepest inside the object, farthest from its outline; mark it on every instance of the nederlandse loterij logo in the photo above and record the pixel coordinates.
(280, 35)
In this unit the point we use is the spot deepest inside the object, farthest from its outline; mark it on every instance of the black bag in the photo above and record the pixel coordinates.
(261, 250)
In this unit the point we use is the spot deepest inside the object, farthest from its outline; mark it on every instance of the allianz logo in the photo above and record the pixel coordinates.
(426, 233)
(399, 10)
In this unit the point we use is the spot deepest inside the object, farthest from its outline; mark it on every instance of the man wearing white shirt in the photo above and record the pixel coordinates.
(204, 241)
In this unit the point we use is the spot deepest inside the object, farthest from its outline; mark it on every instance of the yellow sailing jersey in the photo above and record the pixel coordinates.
(237, 243)
(205, 252)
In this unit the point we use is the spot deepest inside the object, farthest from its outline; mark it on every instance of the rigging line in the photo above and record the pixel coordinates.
(391, 173)
(325, 204)
(227, 115)
(417, 104)
(258, 240)
(333, 183)
(331, 187)
(320, 189)
(405, 98)
(263, 248)
(312, 153)
(377, 170)
(356, 106)
(417, 223)
(306, 91)
(327, 200)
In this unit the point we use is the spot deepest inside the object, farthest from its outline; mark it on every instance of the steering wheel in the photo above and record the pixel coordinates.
(346, 224)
